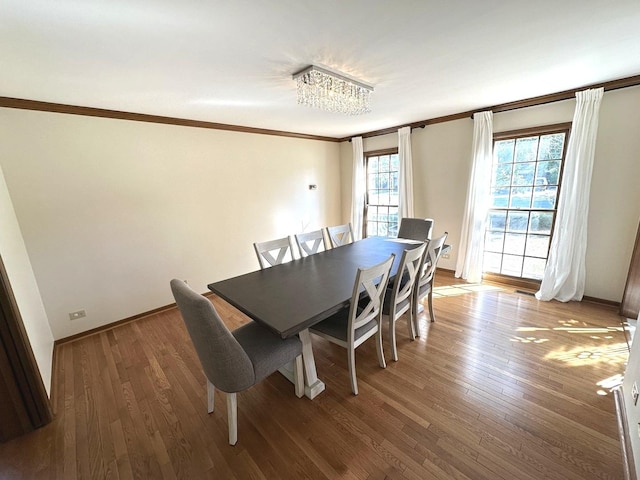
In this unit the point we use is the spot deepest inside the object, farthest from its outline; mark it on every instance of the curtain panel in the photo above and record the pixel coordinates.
(565, 272)
(405, 180)
(357, 188)
(469, 263)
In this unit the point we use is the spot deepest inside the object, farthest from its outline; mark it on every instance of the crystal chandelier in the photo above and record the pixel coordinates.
(331, 91)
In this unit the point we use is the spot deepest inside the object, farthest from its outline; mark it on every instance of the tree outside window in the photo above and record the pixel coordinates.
(527, 168)
(381, 202)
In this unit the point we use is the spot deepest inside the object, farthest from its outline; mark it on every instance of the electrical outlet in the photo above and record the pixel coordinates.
(445, 255)
(78, 314)
(634, 393)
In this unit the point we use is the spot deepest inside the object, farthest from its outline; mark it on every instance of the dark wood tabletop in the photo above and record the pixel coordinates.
(293, 296)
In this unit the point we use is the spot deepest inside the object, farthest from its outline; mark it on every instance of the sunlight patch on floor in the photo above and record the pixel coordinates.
(462, 288)
(608, 385)
(604, 332)
(614, 354)
(611, 353)
(528, 339)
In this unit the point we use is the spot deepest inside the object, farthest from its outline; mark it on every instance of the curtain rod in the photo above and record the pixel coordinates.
(413, 127)
(505, 107)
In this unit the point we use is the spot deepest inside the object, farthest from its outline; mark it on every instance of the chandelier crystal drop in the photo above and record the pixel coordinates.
(331, 91)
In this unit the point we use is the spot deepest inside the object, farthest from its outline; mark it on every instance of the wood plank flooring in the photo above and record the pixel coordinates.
(500, 387)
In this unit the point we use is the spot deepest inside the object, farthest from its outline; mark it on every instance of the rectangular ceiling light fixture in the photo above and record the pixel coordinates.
(332, 91)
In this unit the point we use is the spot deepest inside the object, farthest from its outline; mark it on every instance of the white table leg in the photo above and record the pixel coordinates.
(312, 385)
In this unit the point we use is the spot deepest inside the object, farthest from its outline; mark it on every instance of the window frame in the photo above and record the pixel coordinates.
(515, 135)
(367, 156)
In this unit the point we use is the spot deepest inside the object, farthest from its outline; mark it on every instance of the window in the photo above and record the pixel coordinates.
(381, 201)
(527, 168)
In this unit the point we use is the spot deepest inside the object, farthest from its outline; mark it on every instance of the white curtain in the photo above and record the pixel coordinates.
(358, 188)
(405, 180)
(469, 264)
(564, 275)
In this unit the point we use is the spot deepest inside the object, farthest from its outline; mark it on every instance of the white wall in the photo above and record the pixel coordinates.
(614, 207)
(442, 161)
(24, 286)
(111, 210)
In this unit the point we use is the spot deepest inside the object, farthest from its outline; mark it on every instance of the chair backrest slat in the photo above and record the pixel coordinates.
(340, 235)
(408, 271)
(430, 261)
(282, 248)
(373, 281)
(309, 242)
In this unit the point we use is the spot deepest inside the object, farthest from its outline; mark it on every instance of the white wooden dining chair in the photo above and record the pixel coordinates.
(424, 281)
(274, 252)
(397, 301)
(340, 235)
(350, 327)
(310, 243)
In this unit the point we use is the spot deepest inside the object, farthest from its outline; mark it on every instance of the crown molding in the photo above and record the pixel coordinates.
(505, 107)
(23, 104)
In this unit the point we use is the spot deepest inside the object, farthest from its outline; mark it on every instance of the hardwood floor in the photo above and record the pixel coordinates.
(500, 387)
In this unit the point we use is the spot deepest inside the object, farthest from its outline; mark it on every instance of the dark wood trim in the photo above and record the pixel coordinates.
(625, 440)
(448, 271)
(630, 305)
(384, 151)
(564, 95)
(602, 301)
(540, 130)
(534, 286)
(111, 325)
(25, 404)
(420, 124)
(505, 107)
(22, 104)
(512, 281)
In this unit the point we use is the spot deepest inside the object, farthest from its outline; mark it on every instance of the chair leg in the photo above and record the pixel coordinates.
(410, 326)
(392, 337)
(433, 317)
(351, 353)
(232, 416)
(211, 390)
(381, 360)
(416, 324)
(298, 377)
(414, 317)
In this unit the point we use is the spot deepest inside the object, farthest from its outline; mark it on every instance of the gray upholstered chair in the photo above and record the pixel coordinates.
(424, 282)
(340, 235)
(399, 296)
(281, 247)
(234, 361)
(350, 327)
(310, 242)
(416, 229)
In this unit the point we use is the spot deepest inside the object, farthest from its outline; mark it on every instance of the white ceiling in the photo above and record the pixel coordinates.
(231, 61)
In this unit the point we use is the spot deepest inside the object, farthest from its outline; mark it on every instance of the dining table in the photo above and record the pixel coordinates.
(291, 297)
